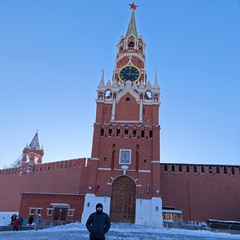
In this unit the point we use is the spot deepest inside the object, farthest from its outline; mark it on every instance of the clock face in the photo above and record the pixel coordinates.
(129, 72)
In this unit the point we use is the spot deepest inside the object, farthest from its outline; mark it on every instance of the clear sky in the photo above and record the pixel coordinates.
(52, 53)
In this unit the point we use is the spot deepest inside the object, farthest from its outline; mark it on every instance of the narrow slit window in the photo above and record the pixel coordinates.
(150, 133)
(134, 132)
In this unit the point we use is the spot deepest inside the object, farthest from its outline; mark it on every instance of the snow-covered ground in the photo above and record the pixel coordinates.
(77, 231)
(5, 218)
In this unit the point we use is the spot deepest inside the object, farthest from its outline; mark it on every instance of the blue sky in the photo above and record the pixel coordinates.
(51, 57)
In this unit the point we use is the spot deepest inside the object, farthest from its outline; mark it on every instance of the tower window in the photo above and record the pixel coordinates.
(233, 171)
(118, 132)
(134, 132)
(148, 95)
(127, 99)
(202, 169)
(150, 133)
(180, 168)
(108, 94)
(102, 132)
(145, 160)
(142, 134)
(110, 132)
(173, 168)
(131, 44)
(126, 131)
(187, 168)
(218, 170)
(225, 170)
(210, 169)
(105, 158)
(195, 168)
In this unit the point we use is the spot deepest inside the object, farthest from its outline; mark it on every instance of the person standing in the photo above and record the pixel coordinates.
(37, 223)
(15, 225)
(30, 220)
(98, 223)
(20, 221)
(12, 219)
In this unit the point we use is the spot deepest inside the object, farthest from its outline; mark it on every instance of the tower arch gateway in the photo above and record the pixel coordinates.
(123, 200)
(126, 138)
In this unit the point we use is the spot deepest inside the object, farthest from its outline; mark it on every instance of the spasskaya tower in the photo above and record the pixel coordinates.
(125, 159)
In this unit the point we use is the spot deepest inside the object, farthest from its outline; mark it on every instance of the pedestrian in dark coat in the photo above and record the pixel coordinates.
(20, 221)
(98, 223)
(15, 224)
(12, 219)
(30, 220)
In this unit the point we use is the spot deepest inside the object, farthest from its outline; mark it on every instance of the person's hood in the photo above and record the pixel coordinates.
(99, 205)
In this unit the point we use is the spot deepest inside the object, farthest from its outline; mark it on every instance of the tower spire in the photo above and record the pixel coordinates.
(132, 29)
(155, 85)
(101, 84)
(35, 142)
(33, 151)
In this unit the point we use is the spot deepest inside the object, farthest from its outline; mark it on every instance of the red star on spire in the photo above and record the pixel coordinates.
(133, 6)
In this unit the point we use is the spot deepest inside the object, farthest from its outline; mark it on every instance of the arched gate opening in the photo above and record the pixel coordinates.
(123, 200)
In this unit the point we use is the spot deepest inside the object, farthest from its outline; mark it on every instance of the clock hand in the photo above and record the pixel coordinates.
(130, 71)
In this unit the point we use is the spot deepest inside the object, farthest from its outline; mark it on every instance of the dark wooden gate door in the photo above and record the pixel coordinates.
(123, 200)
(60, 214)
(63, 214)
(56, 213)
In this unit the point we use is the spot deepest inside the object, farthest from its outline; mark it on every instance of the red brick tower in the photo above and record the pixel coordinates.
(32, 154)
(125, 160)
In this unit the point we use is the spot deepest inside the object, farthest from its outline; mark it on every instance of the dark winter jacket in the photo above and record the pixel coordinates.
(30, 221)
(20, 221)
(98, 224)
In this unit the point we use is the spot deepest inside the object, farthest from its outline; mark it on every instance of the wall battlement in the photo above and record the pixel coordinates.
(200, 169)
(28, 167)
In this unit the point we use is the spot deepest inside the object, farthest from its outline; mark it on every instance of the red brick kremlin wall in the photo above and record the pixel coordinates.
(202, 191)
(56, 177)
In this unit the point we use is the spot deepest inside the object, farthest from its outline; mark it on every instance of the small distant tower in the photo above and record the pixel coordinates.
(32, 152)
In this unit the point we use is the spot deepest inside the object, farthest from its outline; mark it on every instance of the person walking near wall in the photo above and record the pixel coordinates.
(12, 219)
(20, 221)
(98, 223)
(37, 222)
(15, 224)
(30, 220)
